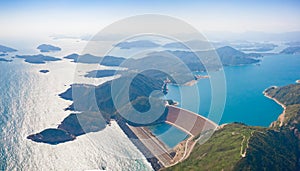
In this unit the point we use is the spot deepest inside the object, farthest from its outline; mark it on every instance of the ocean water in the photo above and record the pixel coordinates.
(245, 101)
(29, 103)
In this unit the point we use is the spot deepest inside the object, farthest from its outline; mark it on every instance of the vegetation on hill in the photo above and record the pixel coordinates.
(221, 151)
(288, 95)
(231, 56)
(89, 100)
(143, 86)
(275, 148)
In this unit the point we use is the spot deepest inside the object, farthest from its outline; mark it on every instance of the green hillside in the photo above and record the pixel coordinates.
(275, 148)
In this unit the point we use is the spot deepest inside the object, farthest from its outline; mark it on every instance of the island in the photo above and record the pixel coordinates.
(37, 59)
(242, 46)
(52, 136)
(100, 73)
(193, 44)
(3, 54)
(5, 49)
(255, 46)
(91, 119)
(137, 44)
(228, 57)
(92, 59)
(293, 43)
(231, 57)
(5, 60)
(291, 50)
(48, 48)
(44, 71)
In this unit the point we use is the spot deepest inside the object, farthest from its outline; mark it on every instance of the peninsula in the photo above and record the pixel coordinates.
(141, 86)
(5, 49)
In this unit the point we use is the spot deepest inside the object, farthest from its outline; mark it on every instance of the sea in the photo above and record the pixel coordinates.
(29, 103)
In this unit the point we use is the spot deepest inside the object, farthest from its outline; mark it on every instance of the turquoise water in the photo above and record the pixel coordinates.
(245, 101)
(29, 103)
(245, 84)
(168, 134)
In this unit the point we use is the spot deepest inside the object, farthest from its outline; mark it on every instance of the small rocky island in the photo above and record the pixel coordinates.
(5, 60)
(52, 136)
(48, 48)
(37, 59)
(44, 71)
(3, 54)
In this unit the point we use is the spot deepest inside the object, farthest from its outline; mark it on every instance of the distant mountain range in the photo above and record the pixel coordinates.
(259, 36)
(252, 36)
(137, 44)
(201, 45)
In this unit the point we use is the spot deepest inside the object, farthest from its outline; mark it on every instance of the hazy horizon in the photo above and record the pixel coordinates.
(45, 18)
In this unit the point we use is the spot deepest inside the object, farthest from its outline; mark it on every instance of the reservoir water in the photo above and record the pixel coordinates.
(245, 101)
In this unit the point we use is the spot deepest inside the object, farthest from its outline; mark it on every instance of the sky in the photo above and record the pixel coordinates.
(47, 17)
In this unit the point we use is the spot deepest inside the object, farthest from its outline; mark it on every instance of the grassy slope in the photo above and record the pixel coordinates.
(221, 151)
(268, 149)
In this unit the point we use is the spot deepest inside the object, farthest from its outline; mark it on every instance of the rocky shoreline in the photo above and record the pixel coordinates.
(282, 115)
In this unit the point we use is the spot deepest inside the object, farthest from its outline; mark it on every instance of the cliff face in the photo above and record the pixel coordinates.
(239, 147)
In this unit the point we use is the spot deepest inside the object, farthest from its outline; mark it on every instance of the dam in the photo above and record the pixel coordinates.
(156, 152)
(187, 121)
